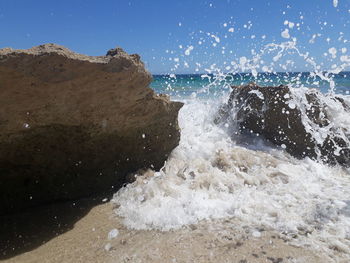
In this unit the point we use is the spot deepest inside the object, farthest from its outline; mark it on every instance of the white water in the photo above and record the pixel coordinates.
(337, 115)
(209, 176)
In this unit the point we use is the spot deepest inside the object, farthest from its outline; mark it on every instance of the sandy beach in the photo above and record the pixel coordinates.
(81, 235)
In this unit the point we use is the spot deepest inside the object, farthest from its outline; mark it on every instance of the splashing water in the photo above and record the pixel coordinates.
(211, 176)
(335, 3)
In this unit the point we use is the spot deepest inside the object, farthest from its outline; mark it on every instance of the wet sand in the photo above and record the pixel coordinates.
(80, 234)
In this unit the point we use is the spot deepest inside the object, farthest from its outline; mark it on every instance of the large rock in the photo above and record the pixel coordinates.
(72, 125)
(298, 122)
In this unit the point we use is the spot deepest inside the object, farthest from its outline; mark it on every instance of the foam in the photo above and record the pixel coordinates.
(337, 115)
(209, 176)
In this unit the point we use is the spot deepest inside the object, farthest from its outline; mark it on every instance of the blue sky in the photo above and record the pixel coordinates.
(157, 29)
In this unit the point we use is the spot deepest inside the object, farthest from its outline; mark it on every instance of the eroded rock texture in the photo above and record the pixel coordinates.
(72, 125)
(300, 123)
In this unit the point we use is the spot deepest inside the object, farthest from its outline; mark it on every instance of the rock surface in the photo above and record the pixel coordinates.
(72, 125)
(275, 114)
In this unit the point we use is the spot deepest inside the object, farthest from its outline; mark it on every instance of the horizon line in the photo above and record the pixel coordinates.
(248, 73)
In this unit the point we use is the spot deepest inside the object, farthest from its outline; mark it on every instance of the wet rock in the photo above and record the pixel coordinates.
(271, 113)
(72, 125)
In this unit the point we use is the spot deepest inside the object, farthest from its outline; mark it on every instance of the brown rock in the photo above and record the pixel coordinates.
(72, 125)
(265, 111)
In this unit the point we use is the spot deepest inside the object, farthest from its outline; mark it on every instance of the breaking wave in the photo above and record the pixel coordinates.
(211, 176)
(214, 174)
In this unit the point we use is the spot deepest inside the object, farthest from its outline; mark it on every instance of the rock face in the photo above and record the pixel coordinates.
(300, 123)
(72, 125)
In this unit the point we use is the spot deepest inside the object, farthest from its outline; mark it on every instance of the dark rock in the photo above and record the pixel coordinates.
(268, 111)
(72, 125)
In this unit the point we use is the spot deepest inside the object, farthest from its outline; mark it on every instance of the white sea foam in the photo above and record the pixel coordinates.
(337, 115)
(209, 176)
(113, 234)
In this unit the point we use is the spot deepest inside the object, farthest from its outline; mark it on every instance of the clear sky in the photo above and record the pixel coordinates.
(162, 30)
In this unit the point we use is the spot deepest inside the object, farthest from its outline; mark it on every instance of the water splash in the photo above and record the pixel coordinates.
(210, 175)
(335, 3)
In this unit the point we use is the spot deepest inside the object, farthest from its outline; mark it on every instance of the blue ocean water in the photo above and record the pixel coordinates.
(207, 85)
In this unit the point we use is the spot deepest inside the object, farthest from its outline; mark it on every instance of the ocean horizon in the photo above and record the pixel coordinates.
(206, 85)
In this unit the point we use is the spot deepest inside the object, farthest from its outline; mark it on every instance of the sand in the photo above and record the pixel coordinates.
(78, 232)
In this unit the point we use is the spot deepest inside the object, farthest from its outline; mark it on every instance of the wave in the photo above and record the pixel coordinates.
(210, 175)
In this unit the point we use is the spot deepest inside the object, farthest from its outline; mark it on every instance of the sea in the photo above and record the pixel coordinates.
(207, 85)
(211, 176)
